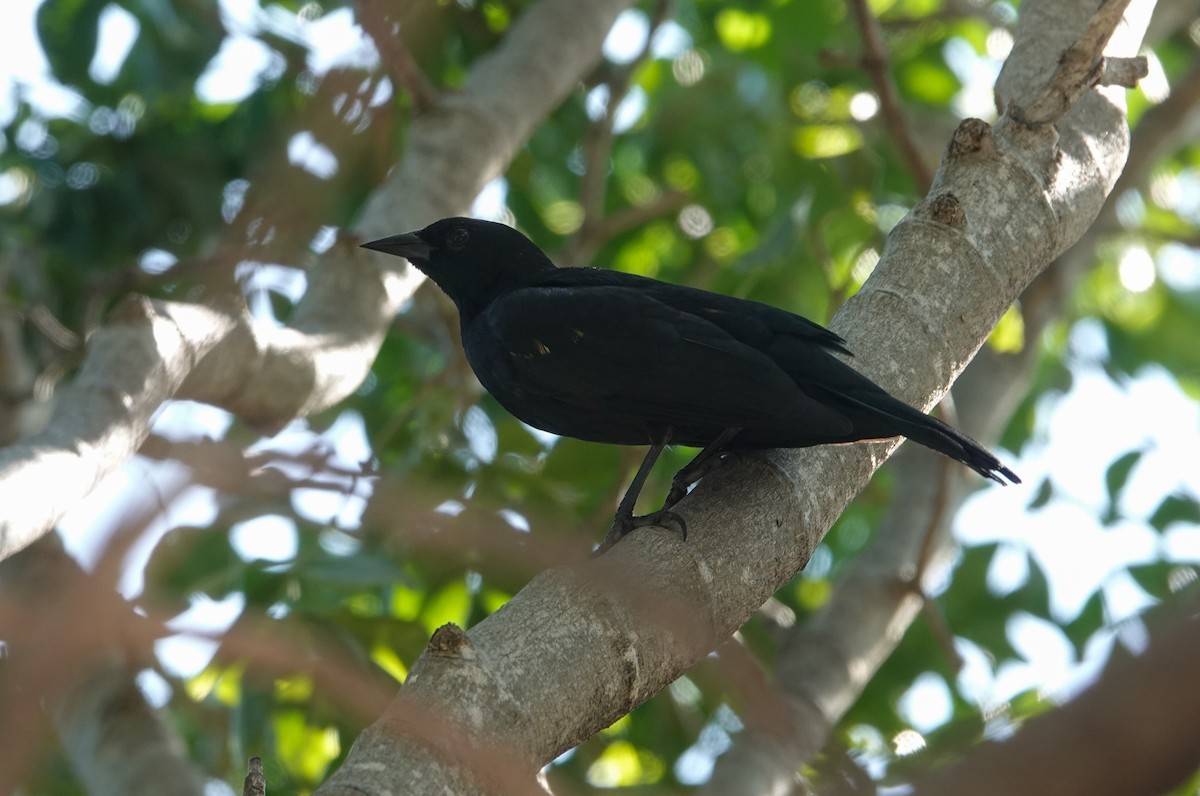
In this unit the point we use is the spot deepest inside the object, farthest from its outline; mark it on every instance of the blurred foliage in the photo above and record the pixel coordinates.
(760, 115)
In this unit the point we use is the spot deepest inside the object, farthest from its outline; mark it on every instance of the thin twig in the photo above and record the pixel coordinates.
(941, 629)
(1161, 128)
(397, 59)
(941, 500)
(942, 633)
(875, 63)
(1080, 68)
(255, 783)
(597, 149)
(632, 217)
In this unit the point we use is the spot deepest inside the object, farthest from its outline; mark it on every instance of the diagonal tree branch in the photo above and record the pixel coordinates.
(1080, 67)
(825, 662)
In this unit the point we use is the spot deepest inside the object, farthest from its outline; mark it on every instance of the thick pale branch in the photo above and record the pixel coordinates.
(1004, 203)
(133, 365)
(826, 662)
(117, 742)
(152, 351)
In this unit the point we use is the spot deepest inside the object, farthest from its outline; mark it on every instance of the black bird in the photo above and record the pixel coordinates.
(613, 357)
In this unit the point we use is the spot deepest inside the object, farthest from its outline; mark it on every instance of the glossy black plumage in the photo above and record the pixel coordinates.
(612, 357)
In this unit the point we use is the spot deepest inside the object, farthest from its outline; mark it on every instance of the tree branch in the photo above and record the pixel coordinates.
(78, 665)
(255, 783)
(1133, 731)
(1079, 68)
(79, 671)
(133, 365)
(398, 61)
(117, 742)
(863, 620)
(154, 351)
(875, 63)
(1005, 202)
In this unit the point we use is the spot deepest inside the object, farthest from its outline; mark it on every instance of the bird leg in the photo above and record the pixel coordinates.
(707, 460)
(624, 521)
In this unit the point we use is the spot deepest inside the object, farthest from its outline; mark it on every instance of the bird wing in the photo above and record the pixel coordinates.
(616, 349)
(749, 321)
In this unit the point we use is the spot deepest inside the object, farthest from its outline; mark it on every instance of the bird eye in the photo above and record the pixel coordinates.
(457, 238)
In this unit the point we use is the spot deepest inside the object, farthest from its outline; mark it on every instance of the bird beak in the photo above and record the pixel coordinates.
(408, 246)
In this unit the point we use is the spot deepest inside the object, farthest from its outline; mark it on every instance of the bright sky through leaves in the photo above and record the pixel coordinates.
(1081, 433)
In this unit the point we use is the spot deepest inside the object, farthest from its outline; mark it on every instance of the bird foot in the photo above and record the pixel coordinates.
(622, 526)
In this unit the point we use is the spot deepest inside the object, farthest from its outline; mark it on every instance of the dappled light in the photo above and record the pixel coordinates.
(254, 500)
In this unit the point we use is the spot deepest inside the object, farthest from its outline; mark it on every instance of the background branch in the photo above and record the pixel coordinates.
(152, 352)
(385, 29)
(1133, 731)
(596, 228)
(875, 63)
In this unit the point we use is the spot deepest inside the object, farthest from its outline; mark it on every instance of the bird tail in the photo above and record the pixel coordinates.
(876, 414)
(933, 433)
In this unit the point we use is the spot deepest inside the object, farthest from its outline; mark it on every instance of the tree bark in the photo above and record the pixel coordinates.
(580, 646)
(826, 661)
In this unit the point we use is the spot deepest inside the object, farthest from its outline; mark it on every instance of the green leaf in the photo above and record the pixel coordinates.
(1177, 508)
(304, 750)
(623, 764)
(1091, 618)
(189, 560)
(1118, 474)
(1009, 335)
(742, 30)
(929, 81)
(1028, 704)
(451, 604)
(1155, 578)
(68, 30)
(827, 140)
(360, 569)
(1045, 491)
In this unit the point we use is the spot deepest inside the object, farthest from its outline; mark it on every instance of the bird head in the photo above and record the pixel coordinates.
(472, 261)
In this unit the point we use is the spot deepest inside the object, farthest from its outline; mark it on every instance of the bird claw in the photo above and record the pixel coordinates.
(622, 526)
